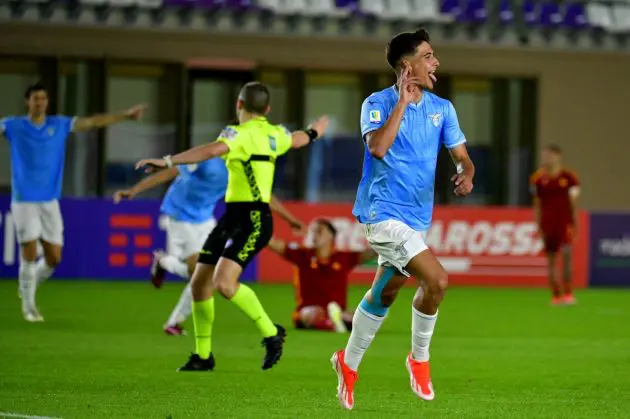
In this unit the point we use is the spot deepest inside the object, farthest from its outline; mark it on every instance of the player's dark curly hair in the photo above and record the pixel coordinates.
(36, 87)
(403, 45)
(328, 224)
(255, 97)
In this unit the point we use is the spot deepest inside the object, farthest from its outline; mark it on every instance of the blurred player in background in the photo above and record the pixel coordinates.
(403, 128)
(38, 149)
(188, 206)
(556, 191)
(250, 150)
(321, 279)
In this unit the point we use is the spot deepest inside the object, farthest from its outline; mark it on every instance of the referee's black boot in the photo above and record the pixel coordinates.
(195, 363)
(273, 348)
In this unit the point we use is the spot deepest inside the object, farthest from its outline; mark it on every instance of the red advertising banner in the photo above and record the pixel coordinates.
(479, 246)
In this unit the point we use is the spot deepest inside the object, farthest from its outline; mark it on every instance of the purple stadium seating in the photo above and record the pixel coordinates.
(575, 16)
(550, 15)
(530, 12)
(475, 11)
(506, 13)
(451, 8)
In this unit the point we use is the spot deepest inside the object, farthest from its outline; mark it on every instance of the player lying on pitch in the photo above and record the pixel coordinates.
(322, 279)
(556, 191)
(250, 150)
(188, 206)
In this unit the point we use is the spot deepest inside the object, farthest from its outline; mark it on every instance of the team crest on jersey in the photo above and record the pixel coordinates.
(564, 183)
(336, 266)
(375, 116)
(272, 143)
(228, 133)
(51, 131)
(435, 118)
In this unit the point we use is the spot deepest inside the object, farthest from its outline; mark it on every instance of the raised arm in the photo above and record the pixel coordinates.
(104, 120)
(194, 155)
(296, 225)
(277, 246)
(314, 131)
(379, 134)
(145, 184)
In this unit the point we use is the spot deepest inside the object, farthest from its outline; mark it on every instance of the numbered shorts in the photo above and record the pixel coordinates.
(38, 220)
(395, 243)
(242, 232)
(184, 239)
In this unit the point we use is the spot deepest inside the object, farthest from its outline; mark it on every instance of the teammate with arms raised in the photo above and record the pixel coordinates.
(38, 149)
(188, 206)
(556, 191)
(403, 128)
(321, 279)
(250, 150)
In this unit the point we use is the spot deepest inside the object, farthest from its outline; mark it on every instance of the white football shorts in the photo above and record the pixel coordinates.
(38, 220)
(395, 243)
(184, 239)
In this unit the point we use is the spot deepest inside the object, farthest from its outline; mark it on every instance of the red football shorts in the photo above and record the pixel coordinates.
(557, 239)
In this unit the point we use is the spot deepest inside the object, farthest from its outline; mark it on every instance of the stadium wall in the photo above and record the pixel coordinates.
(478, 246)
(582, 96)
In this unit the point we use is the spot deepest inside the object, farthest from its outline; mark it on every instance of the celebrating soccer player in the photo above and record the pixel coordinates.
(189, 207)
(556, 191)
(38, 148)
(322, 279)
(403, 127)
(250, 150)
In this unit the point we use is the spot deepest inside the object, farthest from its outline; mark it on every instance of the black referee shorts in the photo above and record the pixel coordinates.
(246, 228)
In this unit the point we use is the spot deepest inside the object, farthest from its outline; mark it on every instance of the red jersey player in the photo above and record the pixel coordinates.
(321, 280)
(555, 191)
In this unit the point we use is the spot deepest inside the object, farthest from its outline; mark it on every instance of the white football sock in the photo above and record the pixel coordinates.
(43, 271)
(27, 280)
(183, 308)
(422, 326)
(364, 328)
(175, 266)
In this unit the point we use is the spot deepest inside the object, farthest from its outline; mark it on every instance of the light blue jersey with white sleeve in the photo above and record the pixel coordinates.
(38, 154)
(401, 185)
(194, 194)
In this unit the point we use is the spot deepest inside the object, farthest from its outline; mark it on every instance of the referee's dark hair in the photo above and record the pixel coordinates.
(326, 223)
(36, 87)
(255, 97)
(403, 45)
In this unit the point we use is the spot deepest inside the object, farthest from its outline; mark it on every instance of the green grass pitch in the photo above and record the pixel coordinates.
(496, 354)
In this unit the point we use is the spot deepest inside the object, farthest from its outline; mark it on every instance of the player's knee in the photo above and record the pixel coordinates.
(436, 288)
(388, 296)
(226, 288)
(53, 260)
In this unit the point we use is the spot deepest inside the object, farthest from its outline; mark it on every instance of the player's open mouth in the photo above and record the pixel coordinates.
(432, 76)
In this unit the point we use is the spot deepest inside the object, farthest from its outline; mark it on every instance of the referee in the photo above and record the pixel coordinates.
(250, 150)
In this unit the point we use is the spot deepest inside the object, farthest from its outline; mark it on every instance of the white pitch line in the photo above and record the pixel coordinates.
(19, 415)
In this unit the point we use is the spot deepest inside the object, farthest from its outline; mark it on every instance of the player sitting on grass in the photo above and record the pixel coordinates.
(250, 150)
(188, 206)
(322, 279)
(556, 191)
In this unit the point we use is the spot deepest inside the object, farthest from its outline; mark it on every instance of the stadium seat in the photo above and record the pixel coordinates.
(451, 8)
(506, 12)
(550, 15)
(530, 12)
(323, 8)
(475, 11)
(398, 10)
(599, 15)
(427, 11)
(575, 16)
(372, 7)
(621, 18)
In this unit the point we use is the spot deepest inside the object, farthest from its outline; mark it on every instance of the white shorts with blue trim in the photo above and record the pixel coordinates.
(395, 243)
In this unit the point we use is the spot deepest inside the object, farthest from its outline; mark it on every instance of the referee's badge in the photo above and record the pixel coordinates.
(435, 118)
(375, 116)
